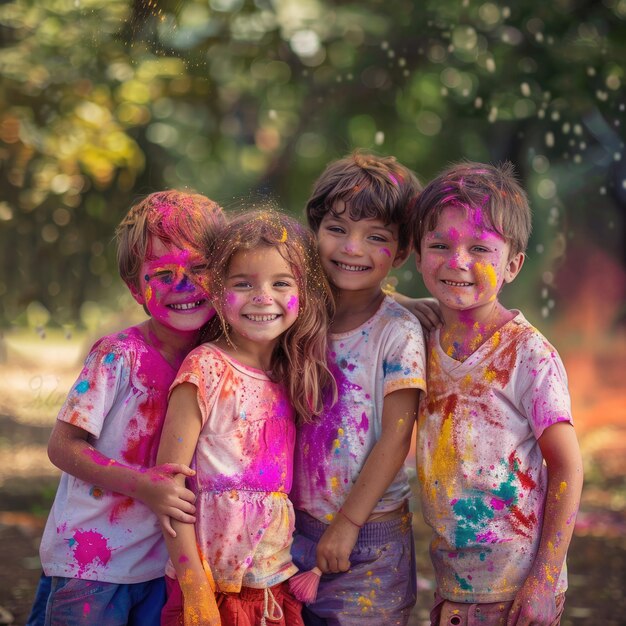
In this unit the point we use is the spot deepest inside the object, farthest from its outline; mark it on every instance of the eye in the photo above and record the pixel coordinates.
(282, 283)
(378, 238)
(198, 269)
(335, 229)
(437, 246)
(165, 276)
(242, 284)
(480, 249)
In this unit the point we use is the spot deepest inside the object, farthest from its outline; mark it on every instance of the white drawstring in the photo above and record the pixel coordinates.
(277, 613)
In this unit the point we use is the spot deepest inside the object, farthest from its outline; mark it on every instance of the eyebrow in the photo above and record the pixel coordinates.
(365, 219)
(274, 277)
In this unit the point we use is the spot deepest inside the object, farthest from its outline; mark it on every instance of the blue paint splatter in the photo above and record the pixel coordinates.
(82, 386)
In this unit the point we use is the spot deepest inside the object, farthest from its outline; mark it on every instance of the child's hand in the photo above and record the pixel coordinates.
(166, 496)
(426, 310)
(335, 546)
(534, 604)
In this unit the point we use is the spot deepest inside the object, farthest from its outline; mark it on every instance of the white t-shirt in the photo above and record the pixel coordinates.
(120, 398)
(383, 355)
(482, 477)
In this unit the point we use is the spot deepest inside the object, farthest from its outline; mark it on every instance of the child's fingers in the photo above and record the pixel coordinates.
(181, 516)
(166, 524)
(179, 468)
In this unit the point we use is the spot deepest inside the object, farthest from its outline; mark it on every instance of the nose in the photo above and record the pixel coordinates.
(458, 260)
(262, 298)
(185, 284)
(352, 246)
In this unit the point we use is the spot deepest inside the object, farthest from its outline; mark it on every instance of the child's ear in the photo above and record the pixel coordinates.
(136, 294)
(513, 267)
(418, 261)
(401, 257)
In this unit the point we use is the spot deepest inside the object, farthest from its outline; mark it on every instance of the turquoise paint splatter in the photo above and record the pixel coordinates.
(463, 583)
(473, 515)
(82, 386)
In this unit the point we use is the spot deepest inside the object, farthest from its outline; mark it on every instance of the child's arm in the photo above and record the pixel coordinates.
(426, 310)
(181, 430)
(156, 487)
(534, 602)
(381, 466)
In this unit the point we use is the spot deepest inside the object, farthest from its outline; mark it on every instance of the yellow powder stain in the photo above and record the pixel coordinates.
(340, 432)
(283, 237)
(330, 517)
(366, 603)
(490, 376)
(476, 342)
(466, 383)
(549, 576)
(562, 489)
(336, 444)
(369, 572)
(334, 484)
(442, 464)
(488, 273)
(148, 293)
(495, 339)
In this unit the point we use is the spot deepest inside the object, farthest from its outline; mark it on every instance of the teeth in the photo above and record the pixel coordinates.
(186, 306)
(262, 318)
(351, 268)
(455, 284)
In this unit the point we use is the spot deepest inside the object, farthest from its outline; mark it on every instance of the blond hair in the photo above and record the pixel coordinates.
(185, 219)
(493, 190)
(299, 358)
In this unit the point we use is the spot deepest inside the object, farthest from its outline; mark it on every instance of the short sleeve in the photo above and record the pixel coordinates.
(545, 397)
(204, 368)
(106, 370)
(404, 358)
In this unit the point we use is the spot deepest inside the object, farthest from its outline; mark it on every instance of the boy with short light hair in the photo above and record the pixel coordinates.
(498, 460)
(103, 545)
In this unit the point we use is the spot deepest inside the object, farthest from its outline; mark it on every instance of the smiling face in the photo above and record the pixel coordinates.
(260, 300)
(357, 254)
(171, 289)
(464, 263)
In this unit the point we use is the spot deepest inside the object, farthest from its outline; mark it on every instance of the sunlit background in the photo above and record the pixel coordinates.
(103, 101)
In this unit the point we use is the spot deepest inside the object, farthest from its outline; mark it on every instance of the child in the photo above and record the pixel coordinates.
(350, 489)
(232, 416)
(498, 461)
(102, 544)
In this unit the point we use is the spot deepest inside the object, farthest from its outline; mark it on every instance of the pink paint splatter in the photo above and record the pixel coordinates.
(386, 251)
(293, 304)
(89, 546)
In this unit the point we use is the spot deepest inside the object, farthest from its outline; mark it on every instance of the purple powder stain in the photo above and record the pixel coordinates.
(89, 546)
(386, 252)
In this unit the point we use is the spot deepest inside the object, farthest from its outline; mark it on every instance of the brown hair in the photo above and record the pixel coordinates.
(371, 186)
(184, 219)
(299, 358)
(494, 190)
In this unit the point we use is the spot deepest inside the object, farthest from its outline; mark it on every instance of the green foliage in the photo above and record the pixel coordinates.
(102, 101)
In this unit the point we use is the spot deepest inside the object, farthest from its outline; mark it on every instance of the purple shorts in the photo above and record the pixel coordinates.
(446, 613)
(380, 586)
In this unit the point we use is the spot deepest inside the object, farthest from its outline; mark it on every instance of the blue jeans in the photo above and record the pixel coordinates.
(37, 615)
(74, 601)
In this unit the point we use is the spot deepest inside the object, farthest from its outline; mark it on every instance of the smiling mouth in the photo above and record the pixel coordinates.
(262, 318)
(452, 283)
(186, 306)
(351, 268)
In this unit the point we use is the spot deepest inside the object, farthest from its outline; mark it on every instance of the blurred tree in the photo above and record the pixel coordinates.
(104, 100)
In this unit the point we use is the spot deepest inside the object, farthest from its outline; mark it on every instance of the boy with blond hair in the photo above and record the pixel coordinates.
(498, 461)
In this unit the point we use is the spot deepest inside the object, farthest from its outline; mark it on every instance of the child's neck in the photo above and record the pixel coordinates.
(353, 308)
(256, 355)
(172, 344)
(464, 332)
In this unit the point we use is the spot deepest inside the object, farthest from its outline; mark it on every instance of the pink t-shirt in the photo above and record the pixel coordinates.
(120, 398)
(482, 477)
(244, 465)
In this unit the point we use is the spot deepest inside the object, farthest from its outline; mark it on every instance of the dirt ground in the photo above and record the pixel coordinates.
(31, 392)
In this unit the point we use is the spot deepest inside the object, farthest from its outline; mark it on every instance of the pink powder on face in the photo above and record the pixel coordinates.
(293, 304)
(386, 251)
(89, 546)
